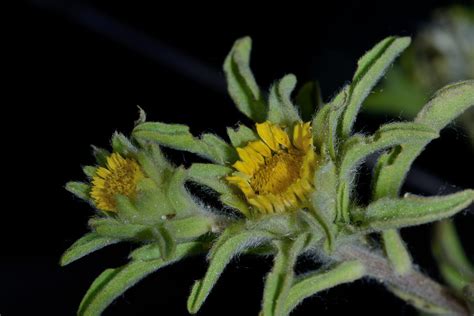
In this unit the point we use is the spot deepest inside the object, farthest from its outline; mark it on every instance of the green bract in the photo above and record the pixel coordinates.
(169, 224)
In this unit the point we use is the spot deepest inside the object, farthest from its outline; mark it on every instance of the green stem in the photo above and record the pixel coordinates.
(413, 284)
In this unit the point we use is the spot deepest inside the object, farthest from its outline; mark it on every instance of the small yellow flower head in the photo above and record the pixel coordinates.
(276, 173)
(120, 177)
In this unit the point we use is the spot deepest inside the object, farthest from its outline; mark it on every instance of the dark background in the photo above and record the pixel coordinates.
(78, 72)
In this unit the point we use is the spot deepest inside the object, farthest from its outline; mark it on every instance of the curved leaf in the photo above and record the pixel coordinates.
(84, 246)
(241, 83)
(228, 245)
(114, 282)
(280, 279)
(413, 210)
(371, 68)
(281, 110)
(310, 284)
(178, 137)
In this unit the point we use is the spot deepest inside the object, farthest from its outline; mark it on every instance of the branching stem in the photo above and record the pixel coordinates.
(414, 282)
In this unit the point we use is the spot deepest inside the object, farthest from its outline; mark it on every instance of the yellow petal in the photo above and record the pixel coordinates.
(280, 136)
(264, 130)
(261, 148)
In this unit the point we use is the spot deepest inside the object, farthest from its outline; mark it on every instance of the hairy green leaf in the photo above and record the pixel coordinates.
(229, 244)
(452, 261)
(281, 110)
(84, 246)
(185, 229)
(177, 136)
(278, 282)
(371, 68)
(396, 251)
(114, 282)
(79, 189)
(241, 83)
(312, 283)
(443, 107)
(412, 210)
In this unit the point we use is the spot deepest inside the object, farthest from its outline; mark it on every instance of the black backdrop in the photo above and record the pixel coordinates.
(76, 78)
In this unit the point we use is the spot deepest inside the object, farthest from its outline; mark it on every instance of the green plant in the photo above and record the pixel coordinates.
(291, 185)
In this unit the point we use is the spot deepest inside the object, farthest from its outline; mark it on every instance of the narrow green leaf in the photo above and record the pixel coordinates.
(213, 176)
(185, 229)
(241, 83)
(240, 136)
(413, 210)
(79, 189)
(114, 282)
(309, 99)
(147, 252)
(446, 104)
(370, 68)
(281, 110)
(278, 282)
(84, 246)
(179, 198)
(443, 107)
(396, 251)
(165, 241)
(325, 123)
(358, 147)
(177, 136)
(452, 261)
(112, 228)
(228, 245)
(310, 284)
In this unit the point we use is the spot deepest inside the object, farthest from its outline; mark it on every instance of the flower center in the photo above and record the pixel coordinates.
(278, 172)
(120, 177)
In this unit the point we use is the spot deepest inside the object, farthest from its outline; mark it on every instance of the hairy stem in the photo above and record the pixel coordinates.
(414, 283)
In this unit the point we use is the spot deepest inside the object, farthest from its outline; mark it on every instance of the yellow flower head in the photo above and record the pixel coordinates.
(120, 177)
(276, 173)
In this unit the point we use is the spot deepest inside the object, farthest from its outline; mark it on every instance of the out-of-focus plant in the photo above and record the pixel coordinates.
(288, 182)
(442, 52)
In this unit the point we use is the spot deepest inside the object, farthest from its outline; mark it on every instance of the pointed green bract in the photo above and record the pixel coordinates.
(89, 171)
(241, 83)
(79, 189)
(312, 283)
(177, 136)
(114, 282)
(370, 68)
(229, 244)
(122, 144)
(281, 110)
(413, 210)
(84, 246)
